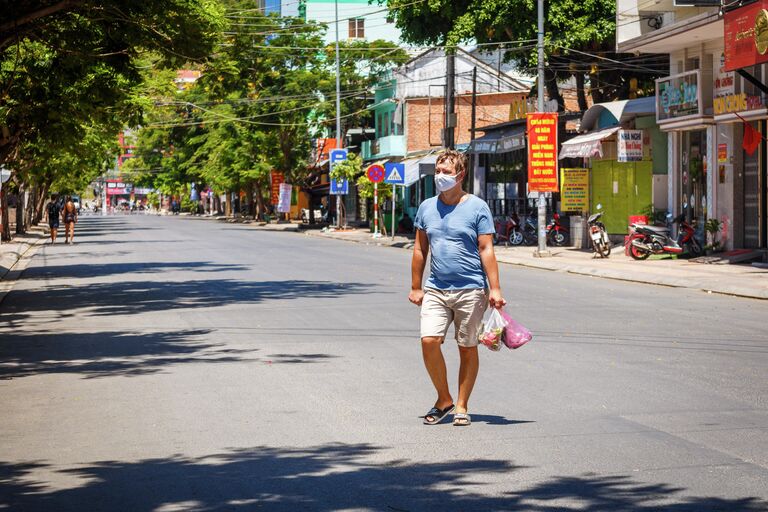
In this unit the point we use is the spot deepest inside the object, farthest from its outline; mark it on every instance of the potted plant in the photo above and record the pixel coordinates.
(713, 227)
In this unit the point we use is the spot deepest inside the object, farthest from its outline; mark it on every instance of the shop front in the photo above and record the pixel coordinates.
(625, 155)
(684, 112)
(500, 169)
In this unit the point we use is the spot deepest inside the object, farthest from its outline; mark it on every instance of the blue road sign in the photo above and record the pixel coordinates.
(340, 187)
(337, 155)
(394, 173)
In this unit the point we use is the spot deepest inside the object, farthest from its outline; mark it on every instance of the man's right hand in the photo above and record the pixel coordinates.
(416, 296)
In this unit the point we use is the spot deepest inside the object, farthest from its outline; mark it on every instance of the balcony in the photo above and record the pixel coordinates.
(383, 147)
(662, 26)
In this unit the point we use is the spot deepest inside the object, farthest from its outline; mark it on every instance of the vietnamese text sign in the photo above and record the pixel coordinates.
(746, 36)
(542, 152)
(284, 199)
(630, 145)
(678, 96)
(574, 192)
(339, 187)
(277, 179)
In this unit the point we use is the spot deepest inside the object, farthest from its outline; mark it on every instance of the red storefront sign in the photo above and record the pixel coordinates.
(746, 36)
(277, 179)
(542, 152)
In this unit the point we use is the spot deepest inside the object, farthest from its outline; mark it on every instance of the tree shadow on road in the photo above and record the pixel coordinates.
(110, 269)
(108, 354)
(334, 477)
(136, 297)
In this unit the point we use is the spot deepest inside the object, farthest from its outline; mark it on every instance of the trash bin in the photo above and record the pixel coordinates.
(578, 232)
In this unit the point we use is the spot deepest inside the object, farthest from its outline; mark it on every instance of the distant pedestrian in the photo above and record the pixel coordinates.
(69, 215)
(457, 227)
(53, 212)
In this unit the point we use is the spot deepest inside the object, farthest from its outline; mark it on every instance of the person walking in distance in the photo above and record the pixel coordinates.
(69, 215)
(53, 211)
(456, 228)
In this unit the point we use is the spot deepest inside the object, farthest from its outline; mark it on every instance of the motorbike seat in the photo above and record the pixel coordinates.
(655, 229)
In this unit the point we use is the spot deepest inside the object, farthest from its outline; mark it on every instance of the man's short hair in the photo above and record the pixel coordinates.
(454, 158)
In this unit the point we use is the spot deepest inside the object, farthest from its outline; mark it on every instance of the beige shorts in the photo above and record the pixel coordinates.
(462, 308)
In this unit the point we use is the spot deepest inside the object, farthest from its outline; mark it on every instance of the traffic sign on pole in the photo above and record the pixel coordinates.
(337, 155)
(394, 173)
(375, 173)
(339, 187)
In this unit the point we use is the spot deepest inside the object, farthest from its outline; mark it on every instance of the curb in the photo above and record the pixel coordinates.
(616, 275)
(14, 271)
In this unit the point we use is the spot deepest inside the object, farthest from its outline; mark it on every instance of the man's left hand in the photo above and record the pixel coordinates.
(495, 299)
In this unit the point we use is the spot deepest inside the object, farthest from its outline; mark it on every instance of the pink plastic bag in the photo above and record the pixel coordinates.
(515, 335)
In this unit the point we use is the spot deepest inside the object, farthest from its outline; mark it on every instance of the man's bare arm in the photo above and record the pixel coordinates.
(418, 263)
(491, 267)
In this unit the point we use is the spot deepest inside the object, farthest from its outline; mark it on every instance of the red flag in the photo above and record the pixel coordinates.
(751, 139)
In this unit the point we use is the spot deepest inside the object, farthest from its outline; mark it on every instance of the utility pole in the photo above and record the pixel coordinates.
(472, 154)
(450, 115)
(542, 217)
(338, 110)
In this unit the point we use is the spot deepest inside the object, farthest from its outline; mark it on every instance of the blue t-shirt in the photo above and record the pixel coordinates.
(453, 230)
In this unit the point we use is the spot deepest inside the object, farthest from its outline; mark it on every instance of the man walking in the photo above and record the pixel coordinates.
(457, 227)
(53, 211)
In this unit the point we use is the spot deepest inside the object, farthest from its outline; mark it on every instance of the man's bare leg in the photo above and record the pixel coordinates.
(435, 364)
(470, 364)
(53, 235)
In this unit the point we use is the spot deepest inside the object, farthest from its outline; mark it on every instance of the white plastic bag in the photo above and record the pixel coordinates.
(492, 331)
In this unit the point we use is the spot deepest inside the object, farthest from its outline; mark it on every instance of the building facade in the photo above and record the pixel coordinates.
(712, 111)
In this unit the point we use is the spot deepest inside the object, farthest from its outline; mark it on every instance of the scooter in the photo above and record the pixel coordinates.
(556, 232)
(646, 240)
(507, 230)
(598, 235)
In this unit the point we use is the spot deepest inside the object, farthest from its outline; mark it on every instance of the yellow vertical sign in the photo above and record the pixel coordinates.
(574, 190)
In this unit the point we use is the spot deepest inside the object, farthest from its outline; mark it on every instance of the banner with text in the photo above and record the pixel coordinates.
(574, 190)
(284, 198)
(630, 145)
(277, 178)
(542, 152)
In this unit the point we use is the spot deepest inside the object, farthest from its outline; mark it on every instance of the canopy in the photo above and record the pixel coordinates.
(587, 145)
(496, 141)
(617, 112)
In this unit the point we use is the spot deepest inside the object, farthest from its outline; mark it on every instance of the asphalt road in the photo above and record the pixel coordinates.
(168, 363)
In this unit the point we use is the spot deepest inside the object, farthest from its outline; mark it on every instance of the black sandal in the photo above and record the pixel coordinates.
(438, 415)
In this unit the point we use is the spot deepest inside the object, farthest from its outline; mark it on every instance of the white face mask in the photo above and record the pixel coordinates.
(445, 182)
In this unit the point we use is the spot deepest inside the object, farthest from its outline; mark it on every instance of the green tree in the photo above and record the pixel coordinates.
(580, 40)
(68, 70)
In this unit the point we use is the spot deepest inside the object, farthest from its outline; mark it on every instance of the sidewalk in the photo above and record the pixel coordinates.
(15, 255)
(741, 280)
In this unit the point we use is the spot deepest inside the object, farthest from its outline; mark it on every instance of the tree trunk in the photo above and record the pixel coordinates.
(40, 205)
(29, 210)
(20, 206)
(581, 94)
(553, 91)
(6, 231)
(249, 198)
(260, 210)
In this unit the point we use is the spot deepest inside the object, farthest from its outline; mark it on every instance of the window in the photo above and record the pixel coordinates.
(356, 28)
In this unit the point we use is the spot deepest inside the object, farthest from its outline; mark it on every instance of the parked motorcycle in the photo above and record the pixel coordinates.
(556, 232)
(530, 230)
(646, 240)
(598, 234)
(507, 230)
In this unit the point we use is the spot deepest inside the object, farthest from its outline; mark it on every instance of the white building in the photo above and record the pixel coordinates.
(706, 109)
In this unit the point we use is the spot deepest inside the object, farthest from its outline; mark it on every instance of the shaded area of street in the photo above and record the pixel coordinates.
(181, 364)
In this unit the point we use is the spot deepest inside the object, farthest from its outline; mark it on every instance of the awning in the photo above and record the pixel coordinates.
(411, 171)
(617, 112)
(496, 142)
(417, 167)
(587, 145)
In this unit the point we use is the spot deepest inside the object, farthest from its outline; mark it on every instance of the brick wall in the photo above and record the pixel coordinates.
(424, 122)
